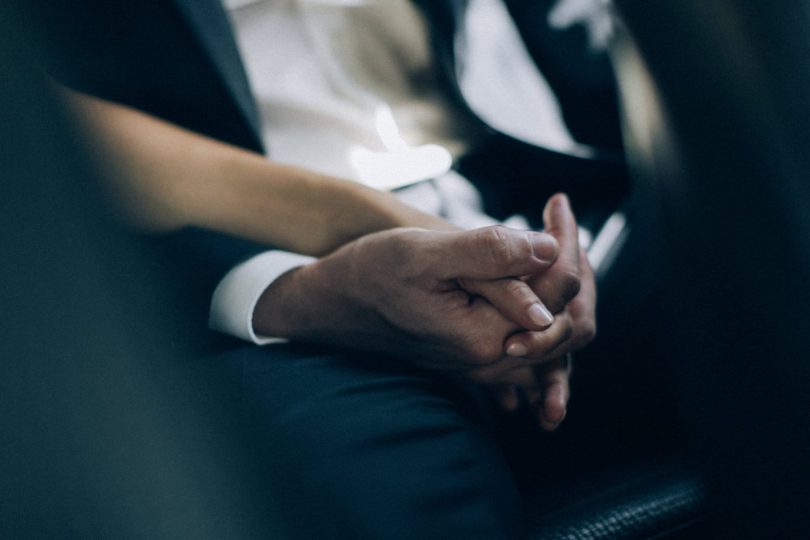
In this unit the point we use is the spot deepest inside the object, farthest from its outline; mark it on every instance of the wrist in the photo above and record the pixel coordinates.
(390, 213)
(323, 301)
(275, 314)
(300, 304)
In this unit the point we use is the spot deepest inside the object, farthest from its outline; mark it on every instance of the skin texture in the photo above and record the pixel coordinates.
(497, 306)
(166, 177)
(402, 292)
(569, 291)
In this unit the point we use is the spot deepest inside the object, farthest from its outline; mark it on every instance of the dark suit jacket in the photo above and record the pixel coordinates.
(177, 59)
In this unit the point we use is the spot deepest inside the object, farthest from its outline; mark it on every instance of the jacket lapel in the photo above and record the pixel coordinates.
(209, 23)
(443, 17)
(447, 20)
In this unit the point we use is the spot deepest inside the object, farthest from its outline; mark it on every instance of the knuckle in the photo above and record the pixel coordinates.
(517, 291)
(497, 245)
(570, 284)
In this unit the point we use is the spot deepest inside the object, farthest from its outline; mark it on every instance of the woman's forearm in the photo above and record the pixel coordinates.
(166, 177)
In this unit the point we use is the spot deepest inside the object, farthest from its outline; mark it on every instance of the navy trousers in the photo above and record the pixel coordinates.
(363, 446)
(369, 447)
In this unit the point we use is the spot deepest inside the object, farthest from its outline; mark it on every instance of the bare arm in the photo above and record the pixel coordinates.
(166, 177)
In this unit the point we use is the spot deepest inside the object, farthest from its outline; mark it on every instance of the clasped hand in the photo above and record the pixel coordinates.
(502, 307)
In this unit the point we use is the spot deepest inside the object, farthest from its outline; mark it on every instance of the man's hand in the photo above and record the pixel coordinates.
(399, 292)
(451, 301)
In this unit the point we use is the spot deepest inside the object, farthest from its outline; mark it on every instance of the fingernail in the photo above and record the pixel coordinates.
(544, 247)
(540, 315)
(517, 349)
(556, 421)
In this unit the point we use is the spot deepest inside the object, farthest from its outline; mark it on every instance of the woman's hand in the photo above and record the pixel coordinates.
(569, 290)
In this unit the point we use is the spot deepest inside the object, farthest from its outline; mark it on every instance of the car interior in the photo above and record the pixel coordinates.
(116, 425)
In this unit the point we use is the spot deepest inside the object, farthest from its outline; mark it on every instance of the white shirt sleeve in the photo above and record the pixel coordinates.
(237, 294)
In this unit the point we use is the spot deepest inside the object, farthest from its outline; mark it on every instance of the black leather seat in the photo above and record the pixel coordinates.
(718, 128)
(658, 500)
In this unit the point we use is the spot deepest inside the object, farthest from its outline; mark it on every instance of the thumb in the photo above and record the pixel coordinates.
(559, 221)
(493, 253)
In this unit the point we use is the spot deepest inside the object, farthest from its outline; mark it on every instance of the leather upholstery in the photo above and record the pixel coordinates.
(719, 114)
(661, 501)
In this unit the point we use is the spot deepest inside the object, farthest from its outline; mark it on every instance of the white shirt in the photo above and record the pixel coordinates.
(349, 88)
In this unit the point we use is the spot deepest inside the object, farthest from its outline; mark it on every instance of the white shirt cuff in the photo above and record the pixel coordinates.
(237, 294)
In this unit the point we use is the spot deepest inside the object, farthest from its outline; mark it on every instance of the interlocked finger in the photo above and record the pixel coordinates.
(534, 348)
(542, 346)
(514, 299)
